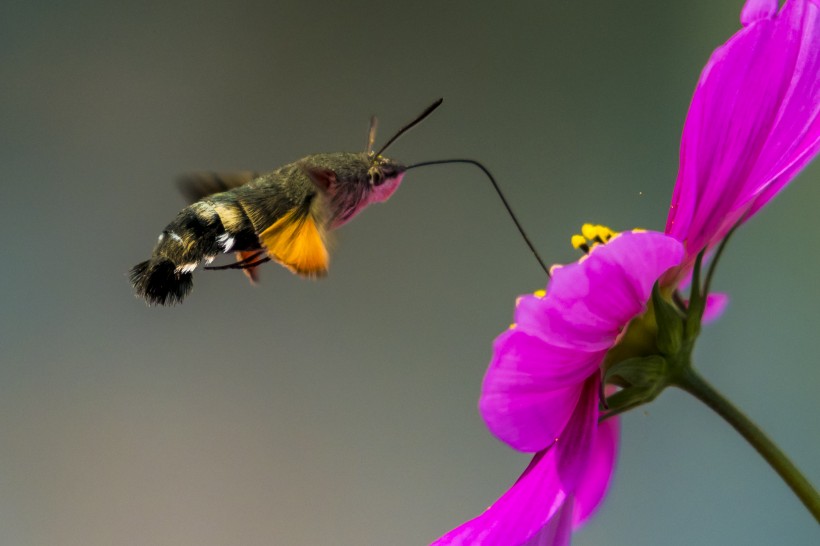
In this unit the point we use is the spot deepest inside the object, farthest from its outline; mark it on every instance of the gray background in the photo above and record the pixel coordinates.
(344, 411)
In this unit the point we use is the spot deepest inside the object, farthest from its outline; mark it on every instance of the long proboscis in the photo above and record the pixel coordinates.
(500, 194)
(419, 119)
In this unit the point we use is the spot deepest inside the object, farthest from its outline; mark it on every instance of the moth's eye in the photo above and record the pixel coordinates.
(376, 177)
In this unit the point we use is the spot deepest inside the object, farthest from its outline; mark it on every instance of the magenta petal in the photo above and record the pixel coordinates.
(558, 532)
(528, 421)
(757, 9)
(794, 139)
(588, 303)
(620, 276)
(531, 388)
(525, 361)
(520, 514)
(599, 471)
(752, 125)
(537, 508)
(716, 304)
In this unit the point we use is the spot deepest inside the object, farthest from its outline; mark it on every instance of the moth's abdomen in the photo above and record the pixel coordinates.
(196, 234)
(237, 233)
(160, 282)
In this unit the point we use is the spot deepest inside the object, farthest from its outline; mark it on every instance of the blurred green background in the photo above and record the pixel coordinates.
(344, 411)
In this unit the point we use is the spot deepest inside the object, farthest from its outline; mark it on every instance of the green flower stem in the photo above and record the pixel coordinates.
(689, 380)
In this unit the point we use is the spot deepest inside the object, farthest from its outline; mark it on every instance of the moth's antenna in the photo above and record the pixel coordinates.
(427, 112)
(495, 185)
(371, 134)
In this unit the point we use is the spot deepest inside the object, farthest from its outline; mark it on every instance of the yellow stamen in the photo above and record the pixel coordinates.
(591, 236)
(539, 293)
(577, 241)
(605, 233)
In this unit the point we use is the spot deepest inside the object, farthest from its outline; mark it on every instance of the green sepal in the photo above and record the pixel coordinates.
(627, 399)
(697, 301)
(641, 380)
(641, 371)
(670, 324)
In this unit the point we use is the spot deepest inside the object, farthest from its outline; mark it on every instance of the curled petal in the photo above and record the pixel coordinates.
(619, 278)
(752, 125)
(757, 9)
(537, 509)
(589, 302)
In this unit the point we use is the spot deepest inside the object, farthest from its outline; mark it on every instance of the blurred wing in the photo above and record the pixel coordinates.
(195, 186)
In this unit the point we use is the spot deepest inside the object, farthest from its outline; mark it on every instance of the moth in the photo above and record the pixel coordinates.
(284, 216)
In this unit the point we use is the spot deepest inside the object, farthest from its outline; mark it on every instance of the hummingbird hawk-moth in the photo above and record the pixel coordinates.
(284, 216)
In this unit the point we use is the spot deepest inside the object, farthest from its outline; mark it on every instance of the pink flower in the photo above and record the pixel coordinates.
(541, 391)
(752, 125)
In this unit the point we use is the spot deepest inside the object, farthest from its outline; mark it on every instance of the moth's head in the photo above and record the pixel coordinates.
(382, 169)
(384, 176)
(357, 179)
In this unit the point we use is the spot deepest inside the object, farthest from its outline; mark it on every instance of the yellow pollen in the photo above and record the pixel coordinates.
(513, 326)
(591, 236)
(577, 241)
(605, 233)
(539, 293)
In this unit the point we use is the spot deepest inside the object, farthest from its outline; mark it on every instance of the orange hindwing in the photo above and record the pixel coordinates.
(298, 243)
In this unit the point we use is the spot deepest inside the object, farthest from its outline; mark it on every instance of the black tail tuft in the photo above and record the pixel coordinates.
(158, 282)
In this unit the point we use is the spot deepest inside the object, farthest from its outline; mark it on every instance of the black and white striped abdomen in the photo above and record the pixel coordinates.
(237, 233)
(197, 234)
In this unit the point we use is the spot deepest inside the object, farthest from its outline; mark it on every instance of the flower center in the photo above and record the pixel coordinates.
(591, 236)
